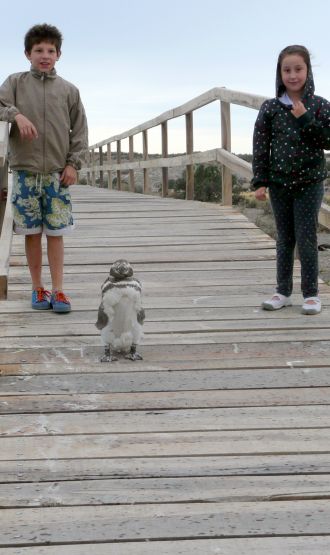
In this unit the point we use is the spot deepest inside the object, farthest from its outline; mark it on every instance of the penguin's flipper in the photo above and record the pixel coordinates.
(141, 316)
(102, 318)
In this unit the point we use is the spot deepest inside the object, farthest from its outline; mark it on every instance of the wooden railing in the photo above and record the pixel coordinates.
(6, 221)
(231, 164)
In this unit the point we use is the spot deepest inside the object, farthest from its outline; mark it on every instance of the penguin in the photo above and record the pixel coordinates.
(121, 315)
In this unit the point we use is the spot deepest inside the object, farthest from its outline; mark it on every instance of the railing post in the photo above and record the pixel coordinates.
(88, 175)
(164, 155)
(109, 164)
(189, 150)
(131, 159)
(93, 167)
(227, 179)
(101, 164)
(119, 162)
(145, 157)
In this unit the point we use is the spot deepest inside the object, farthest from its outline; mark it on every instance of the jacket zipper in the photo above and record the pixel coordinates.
(44, 133)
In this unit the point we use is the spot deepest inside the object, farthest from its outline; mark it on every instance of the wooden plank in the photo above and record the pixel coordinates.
(167, 421)
(231, 404)
(47, 470)
(169, 521)
(175, 380)
(169, 327)
(152, 444)
(165, 490)
(72, 402)
(81, 351)
(316, 545)
(5, 242)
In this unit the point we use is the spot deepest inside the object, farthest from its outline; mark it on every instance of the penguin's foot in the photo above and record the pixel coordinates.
(134, 356)
(108, 356)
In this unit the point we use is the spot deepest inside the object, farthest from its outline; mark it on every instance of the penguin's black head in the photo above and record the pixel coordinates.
(121, 269)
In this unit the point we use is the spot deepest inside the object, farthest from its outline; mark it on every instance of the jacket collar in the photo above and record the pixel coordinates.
(42, 75)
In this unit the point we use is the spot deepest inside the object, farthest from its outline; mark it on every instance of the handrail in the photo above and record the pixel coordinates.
(217, 93)
(230, 162)
(6, 228)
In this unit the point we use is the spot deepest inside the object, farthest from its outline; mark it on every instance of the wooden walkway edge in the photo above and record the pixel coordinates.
(218, 442)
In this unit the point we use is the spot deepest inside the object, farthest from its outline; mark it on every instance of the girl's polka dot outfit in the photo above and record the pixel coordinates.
(288, 158)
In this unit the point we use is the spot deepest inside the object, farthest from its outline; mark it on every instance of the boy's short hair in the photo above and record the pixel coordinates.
(43, 33)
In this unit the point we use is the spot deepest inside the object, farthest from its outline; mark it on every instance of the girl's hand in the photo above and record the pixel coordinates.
(298, 109)
(260, 193)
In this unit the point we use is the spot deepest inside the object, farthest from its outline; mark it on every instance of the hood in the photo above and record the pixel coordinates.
(309, 87)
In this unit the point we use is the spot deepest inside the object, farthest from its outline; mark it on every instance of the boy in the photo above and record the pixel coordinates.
(48, 141)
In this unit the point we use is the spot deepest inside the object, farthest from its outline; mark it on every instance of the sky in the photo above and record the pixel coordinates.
(135, 59)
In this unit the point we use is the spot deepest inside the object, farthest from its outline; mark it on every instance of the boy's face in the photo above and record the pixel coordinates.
(43, 56)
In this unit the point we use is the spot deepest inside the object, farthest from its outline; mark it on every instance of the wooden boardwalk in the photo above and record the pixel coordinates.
(218, 442)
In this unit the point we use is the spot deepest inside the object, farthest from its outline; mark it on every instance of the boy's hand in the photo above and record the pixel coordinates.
(26, 128)
(69, 176)
(298, 109)
(260, 193)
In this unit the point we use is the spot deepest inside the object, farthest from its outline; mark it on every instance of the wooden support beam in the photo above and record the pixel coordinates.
(189, 150)
(227, 180)
(164, 155)
(146, 185)
(131, 159)
(101, 164)
(109, 165)
(119, 162)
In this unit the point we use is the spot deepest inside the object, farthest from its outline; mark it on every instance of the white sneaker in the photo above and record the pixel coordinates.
(276, 302)
(313, 307)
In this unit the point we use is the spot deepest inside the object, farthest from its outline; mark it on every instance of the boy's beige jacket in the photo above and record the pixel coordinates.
(54, 107)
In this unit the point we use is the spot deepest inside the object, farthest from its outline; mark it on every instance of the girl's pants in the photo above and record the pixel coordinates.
(296, 217)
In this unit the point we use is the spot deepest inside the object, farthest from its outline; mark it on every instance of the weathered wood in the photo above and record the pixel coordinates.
(101, 164)
(315, 545)
(193, 380)
(109, 162)
(168, 521)
(5, 244)
(189, 150)
(131, 158)
(146, 184)
(219, 419)
(164, 155)
(228, 409)
(36, 471)
(165, 490)
(226, 145)
(72, 402)
(217, 93)
(250, 442)
(117, 167)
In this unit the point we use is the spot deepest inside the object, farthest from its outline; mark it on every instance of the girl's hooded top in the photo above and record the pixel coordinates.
(288, 151)
(53, 105)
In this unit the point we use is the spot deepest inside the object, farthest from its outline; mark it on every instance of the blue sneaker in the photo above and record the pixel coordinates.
(60, 302)
(40, 299)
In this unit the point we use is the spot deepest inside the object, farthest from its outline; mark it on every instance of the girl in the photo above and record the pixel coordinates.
(290, 134)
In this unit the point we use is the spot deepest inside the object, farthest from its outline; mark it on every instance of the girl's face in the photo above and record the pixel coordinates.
(294, 73)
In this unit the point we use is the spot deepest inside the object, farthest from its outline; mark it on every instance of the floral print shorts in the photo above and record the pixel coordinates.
(41, 203)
